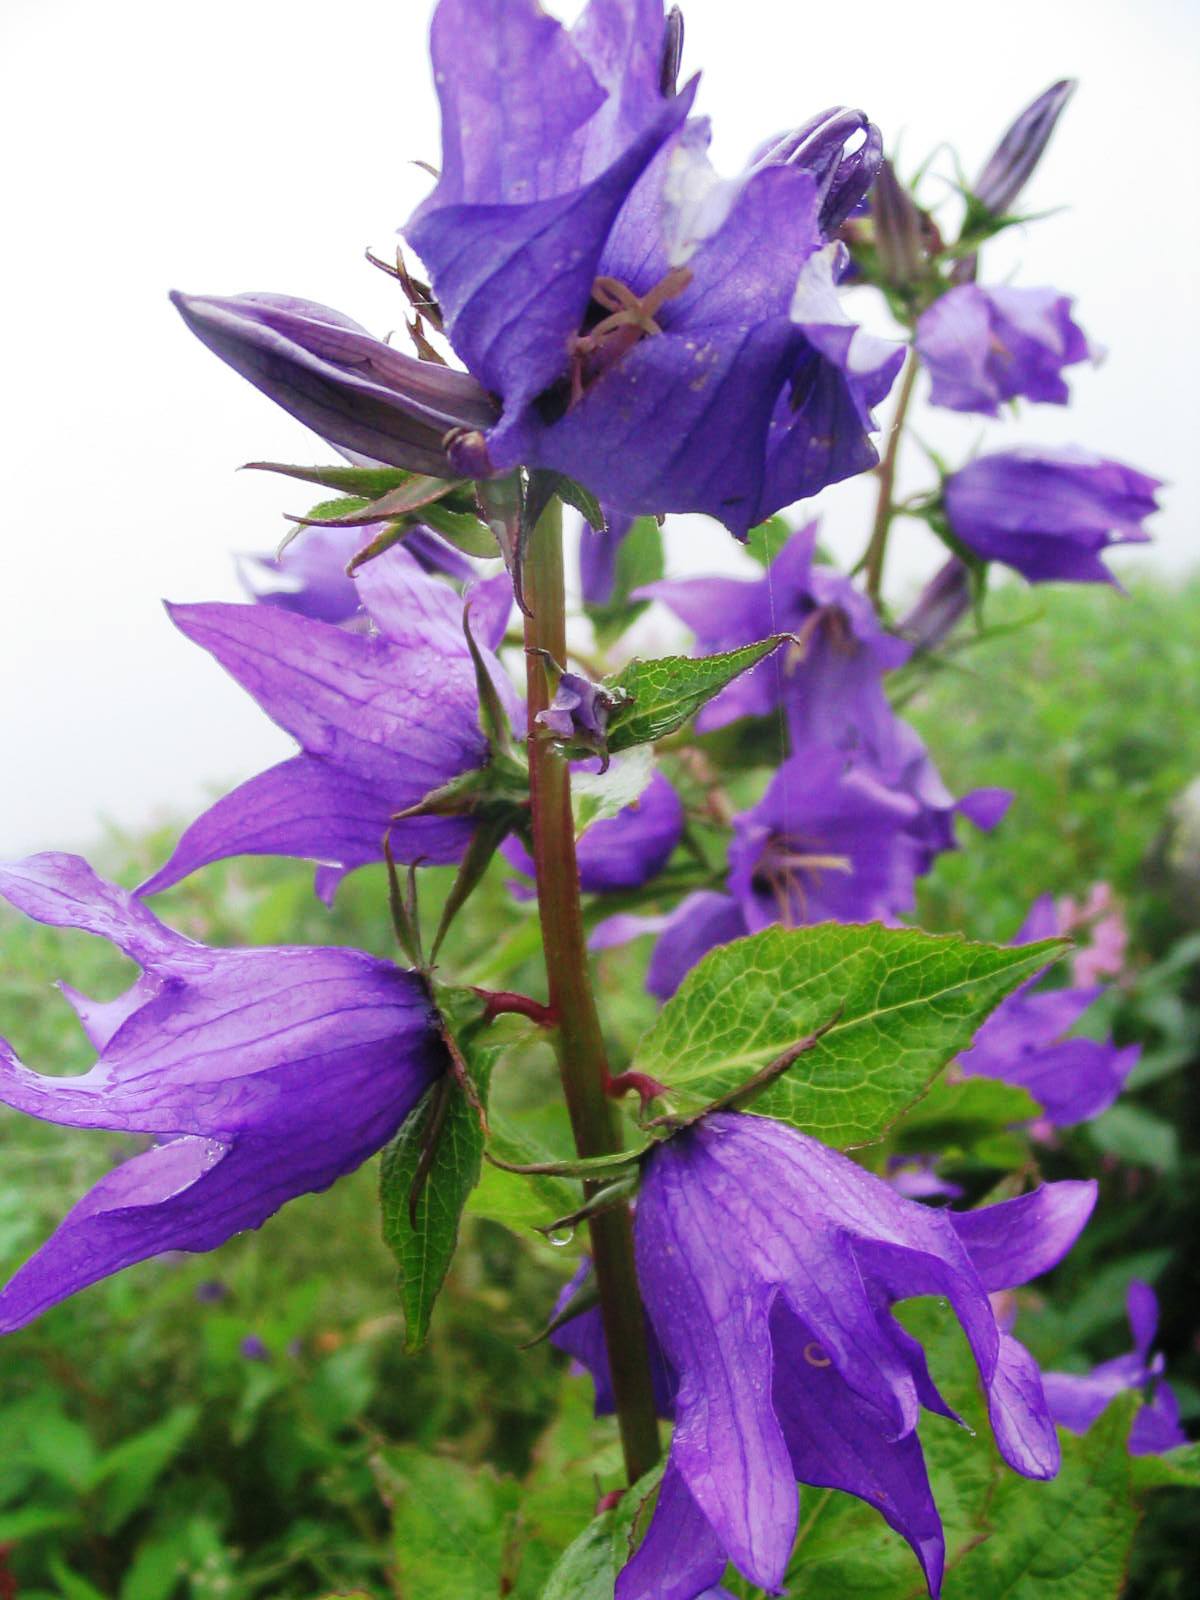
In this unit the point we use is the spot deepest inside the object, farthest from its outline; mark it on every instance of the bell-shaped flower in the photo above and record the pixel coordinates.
(621, 852)
(331, 374)
(1049, 513)
(382, 719)
(260, 1075)
(985, 346)
(769, 1265)
(1024, 1041)
(834, 670)
(1077, 1399)
(671, 340)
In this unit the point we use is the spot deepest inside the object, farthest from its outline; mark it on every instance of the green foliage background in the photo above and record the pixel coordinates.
(147, 1452)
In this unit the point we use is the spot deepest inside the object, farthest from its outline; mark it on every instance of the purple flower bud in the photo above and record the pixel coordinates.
(898, 232)
(253, 1349)
(211, 1292)
(939, 608)
(818, 146)
(1049, 513)
(580, 710)
(1010, 166)
(329, 373)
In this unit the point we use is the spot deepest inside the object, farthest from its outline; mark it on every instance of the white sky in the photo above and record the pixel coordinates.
(263, 144)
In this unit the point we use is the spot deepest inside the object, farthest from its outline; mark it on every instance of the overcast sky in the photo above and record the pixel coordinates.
(263, 144)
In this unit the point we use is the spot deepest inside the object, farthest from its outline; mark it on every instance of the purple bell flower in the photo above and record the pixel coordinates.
(1023, 1042)
(1076, 1400)
(309, 575)
(598, 551)
(672, 341)
(769, 1265)
(262, 1075)
(985, 346)
(1047, 513)
(382, 718)
(621, 852)
(330, 374)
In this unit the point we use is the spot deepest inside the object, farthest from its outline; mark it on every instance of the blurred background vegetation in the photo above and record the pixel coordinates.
(241, 1424)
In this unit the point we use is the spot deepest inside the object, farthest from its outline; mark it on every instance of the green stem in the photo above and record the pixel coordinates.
(884, 506)
(582, 1061)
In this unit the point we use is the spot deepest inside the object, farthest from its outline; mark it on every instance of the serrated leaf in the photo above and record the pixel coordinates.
(664, 694)
(423, 1243)
(896, 1003)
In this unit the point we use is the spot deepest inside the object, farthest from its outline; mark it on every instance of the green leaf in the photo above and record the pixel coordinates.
(589, 1566)
(1007, 1537)
(664, 694)
(462, 528)
(962, 1114)
(897, 1004)
(130, 1471)
(423, 1243)
(452, 1524)
(639, 561)
(1137, 1136)
(28, 1522)
(1175, 1469)
(519, 1201)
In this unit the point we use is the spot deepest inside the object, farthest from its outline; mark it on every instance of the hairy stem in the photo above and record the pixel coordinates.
(884, 506)
(581, 1054)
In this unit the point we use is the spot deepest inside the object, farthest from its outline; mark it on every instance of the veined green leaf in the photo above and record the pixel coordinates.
(896, 1005)
(664, 694)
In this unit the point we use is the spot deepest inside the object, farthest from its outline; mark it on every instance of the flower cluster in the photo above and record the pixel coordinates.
(636, 336)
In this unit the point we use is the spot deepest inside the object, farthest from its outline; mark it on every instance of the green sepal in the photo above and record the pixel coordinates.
(367, 483)
(502, 502)
(544, 485)
(414, 494)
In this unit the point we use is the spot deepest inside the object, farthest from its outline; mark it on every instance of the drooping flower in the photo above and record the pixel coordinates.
(1024, 1041)
(832, 675)
(985, 346)
(769, 1265)
(261, 1075)
(670, 340)
(625, 851)
(1077, 1399)
(598, 551)
(329, 373)
(309, 575)
(382, 718)
(1048, 513)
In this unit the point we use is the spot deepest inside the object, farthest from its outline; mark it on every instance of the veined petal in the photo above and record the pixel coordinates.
(681, 1557)
(1017, 1240)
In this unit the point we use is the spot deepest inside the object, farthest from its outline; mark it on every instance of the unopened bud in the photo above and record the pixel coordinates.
(898, 229)
(939, 608)
(1011, 164)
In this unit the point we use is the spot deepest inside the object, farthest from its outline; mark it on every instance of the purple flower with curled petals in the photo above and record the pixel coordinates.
(769, 1266)
(382, 719)
(832, 674)
(1077, 1399)
(579, 711)
(1024, 1041)
(1049, 514)
(826, 843)
(985, 346)
(261, 1075)
(625, 851)
(333, 376)
(671, 340)
(309, 575)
